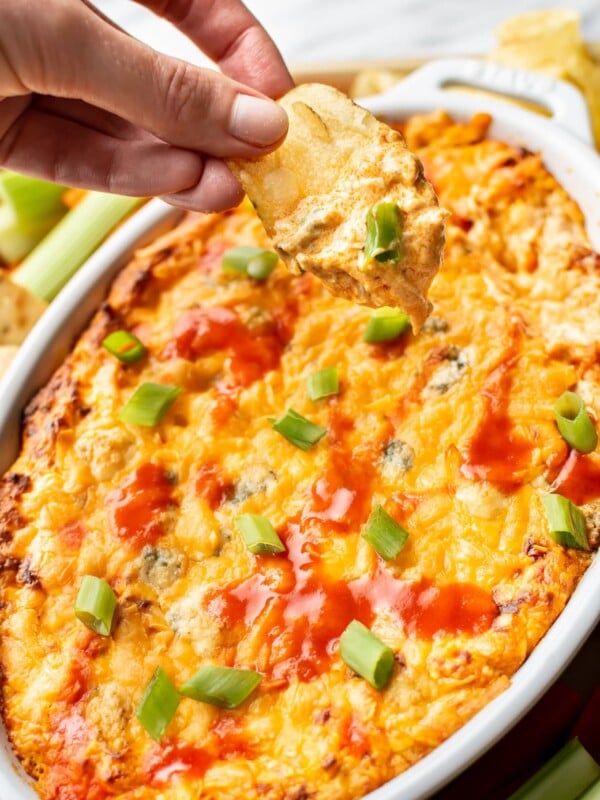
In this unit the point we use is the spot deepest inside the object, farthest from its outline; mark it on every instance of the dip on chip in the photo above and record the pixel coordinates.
(345, 199)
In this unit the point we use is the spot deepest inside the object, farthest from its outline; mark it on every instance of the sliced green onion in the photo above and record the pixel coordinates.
(569, 773)
(574, 422)
(224, 687)
(298, 430)
(60, 254)
(149, 403)
(323, 383)
(262, 265)
(29, 208)
(385, 324)
(95, 605)
(567, 523)
(384, 534)
(366, 654)
(255, 262)
(124, 346)
(158, 704)
(260, 536)
(384, 234)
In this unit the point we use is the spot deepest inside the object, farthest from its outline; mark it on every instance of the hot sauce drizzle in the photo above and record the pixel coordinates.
(497, 453)
(250, 354)
(137, 505)
(212, 485)
(579, 478)
(301, 612)
(72, 533)
(174, 759)
(226, 740)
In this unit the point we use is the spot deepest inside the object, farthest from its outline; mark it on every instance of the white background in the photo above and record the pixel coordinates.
(309, 31)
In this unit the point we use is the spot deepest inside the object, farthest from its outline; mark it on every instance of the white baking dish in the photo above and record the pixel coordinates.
(564, 142)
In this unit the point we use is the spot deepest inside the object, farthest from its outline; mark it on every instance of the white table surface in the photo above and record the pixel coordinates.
(309, 31)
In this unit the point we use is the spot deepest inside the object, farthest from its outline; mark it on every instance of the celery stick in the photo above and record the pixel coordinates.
(29, 208)
(60, 254)
(593, 793)
(569, 773)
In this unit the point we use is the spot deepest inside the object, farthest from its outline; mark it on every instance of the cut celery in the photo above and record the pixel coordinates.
(60, 254)
(565, 777)
(29, 208)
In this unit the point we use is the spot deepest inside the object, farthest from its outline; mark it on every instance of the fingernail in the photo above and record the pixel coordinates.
(256, 121)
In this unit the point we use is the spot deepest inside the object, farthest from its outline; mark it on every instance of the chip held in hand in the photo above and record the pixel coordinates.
(344, 198)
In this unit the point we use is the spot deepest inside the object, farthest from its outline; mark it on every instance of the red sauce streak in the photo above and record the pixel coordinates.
(212, 255)
(77, 684)
(212, 485)
(72, 534)
(225, 405)
(200, 331)
(227, 741)
(353, 738)
(71, 775)
(302, 613)
(176, 759)
(143, 331)
(579, 479)
(137, 505)
(497, 453)
(230, 738)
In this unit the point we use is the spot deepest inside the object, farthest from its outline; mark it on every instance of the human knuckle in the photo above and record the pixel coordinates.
(184, 93)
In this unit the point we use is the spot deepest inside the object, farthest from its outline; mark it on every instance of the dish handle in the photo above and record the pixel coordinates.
(560, 100)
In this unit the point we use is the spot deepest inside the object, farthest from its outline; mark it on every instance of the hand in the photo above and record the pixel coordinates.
(84, 104)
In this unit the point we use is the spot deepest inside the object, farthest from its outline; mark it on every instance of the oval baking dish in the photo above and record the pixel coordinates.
(574, 164)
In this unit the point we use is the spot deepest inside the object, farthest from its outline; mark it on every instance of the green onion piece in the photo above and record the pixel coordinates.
(298, 430)
(158, 704)
(262, 265)
(149, 403)
(385, 324)
(366, 654)
(255, 262)
(260, 536)
(124, 346)
(384, 534)
(95, 605)
(323, 383)
(60, 254)
(224, 687)
(384, 234)
(574, 422)
(567, 523)
(569, 773)
(29, 208)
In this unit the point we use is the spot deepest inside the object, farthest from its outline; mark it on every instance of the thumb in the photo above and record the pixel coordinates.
(77, 54)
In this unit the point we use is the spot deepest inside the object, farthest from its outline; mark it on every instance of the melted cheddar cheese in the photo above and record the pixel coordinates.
(451, 430)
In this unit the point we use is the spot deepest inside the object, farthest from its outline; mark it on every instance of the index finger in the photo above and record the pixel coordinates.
(232, 37)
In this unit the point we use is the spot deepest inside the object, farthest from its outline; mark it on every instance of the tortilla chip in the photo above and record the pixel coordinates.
(7, 353)
(314, 193)
(19, 311)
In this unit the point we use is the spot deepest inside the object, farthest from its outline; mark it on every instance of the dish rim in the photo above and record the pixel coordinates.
(54, 335)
